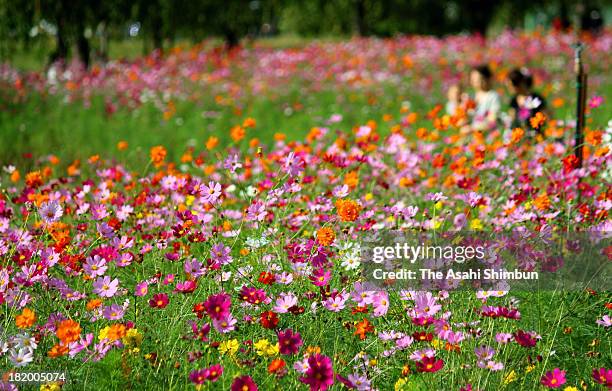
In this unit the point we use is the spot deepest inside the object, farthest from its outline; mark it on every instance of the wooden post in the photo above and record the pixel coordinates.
(581, 87)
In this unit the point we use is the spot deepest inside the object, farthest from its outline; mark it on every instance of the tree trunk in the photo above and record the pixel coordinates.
(360, 14)
(61, 48)
(231, 39)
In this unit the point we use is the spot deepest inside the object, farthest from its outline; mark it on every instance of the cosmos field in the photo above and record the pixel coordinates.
(196, 219)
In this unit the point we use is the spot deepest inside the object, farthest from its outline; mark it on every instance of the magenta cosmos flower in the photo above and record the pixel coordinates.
(244, 383)
(554, 379)
(603, 376)
(289, 342)
(217, 306)
(320, 374)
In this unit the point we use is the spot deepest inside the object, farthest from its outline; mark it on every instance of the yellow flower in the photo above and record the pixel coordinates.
(570, 388)
(230, 347)
(189, 200)
(103, 333)
(437, 344)
(265, 348)
(438, 205)
(50, 387)
(510, 377)
(132, 338)
(476, 224)
(369, 196)
(437, 223)
(529, 368)
(400, 383)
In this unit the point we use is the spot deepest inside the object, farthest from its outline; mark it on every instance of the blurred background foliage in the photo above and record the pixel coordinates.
(48, 30)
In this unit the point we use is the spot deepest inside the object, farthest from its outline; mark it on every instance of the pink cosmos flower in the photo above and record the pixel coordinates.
(225, 325)
(293, 165)
(95, 266)
(104, 287)
(141, 289)
(284, 302)
(336, 303)
(381, 303)
(113, 312)
(605, 321)
(256, 211)
(211, 192)
(484, 352)
(50, 211)
(490, 365)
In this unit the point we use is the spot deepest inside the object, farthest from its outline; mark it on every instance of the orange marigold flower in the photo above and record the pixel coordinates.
(351, 179)
(254, 142)
(249, 123)
(122, 145)
(348, 210)
(116, 331)
(517, 135)
(594, 137)
(558, 102)
(158, 154)
(25, 319)
(15, 176)
(326, 236)
(276, 365)
(212, 142)
(58, 350)
(93, 304)
(542, 202)
(68, 331)
(537, 120)
(34, 179)
(237, 133)
(362, 328)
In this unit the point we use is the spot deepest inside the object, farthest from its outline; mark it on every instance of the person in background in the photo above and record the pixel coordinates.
(457, 99)
(487, 100)
(525, 103)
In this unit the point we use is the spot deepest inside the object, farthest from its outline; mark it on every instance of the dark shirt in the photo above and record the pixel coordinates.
(523, 114)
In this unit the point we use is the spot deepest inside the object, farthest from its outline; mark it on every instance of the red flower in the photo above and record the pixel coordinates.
(269, 319)
(266, 278)
(570, 163)
(421, 336)
(159, 300)
(524, 339)
(429, 364)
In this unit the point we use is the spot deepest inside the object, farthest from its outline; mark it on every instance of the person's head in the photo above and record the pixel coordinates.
(454, 92)
(520, 81)
(481, 77)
